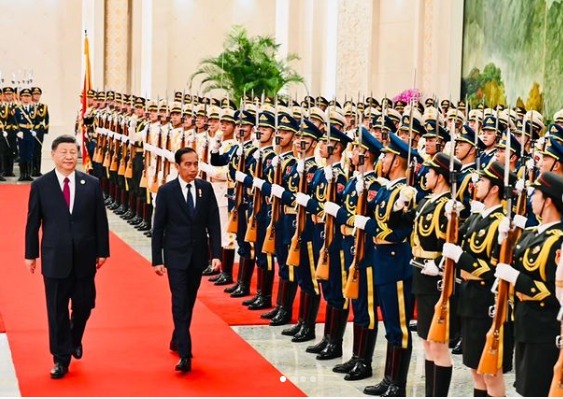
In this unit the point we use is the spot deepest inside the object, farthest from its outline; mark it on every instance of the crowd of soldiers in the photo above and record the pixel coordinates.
(24, 122)
(376, 206)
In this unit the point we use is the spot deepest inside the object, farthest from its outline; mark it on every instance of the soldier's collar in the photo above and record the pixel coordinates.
(486, 212)
(396, 181)
(468, 166)
(435, 197)
(543, 227)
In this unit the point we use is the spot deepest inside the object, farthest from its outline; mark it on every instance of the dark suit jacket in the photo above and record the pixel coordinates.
(184, 240)
(69, 241)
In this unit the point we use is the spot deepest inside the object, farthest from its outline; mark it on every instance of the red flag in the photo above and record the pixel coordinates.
(86, 87)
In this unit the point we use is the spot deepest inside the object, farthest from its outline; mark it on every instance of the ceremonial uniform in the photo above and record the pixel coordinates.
(41, 121)
(23, 119)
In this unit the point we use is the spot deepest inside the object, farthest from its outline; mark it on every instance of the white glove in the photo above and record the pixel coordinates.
(302, 199)
(475, 177)
(450, 206)
(275, 161)
(5, 134)
(477, 206)
(277, 190)
(452, 251)
(216, 146)
(240, 176)
(530, 164)
(160, 175)
(256, 154)
(520, 185)
(300, 166)
(406, 195)
(503, 229)
(331, 208)
(360, 222)
(360, 185)
(430, 268)
(520, 221)
(239, 150)
(258, 183)
(507, 273)
(19, 135)
(328, 173)
(33, 133)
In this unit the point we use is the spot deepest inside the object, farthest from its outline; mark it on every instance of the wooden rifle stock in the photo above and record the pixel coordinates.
(252, 228)
(269, 246)
(154, 185)
(352, 289)
(165, 162)
(556, 388)
(440, 325)
(322, 271)
(294, 255)
(204, 156)
(232, 225)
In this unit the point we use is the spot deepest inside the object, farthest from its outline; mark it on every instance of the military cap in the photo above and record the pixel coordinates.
(334, 103)
(89, 94)
(554, 149)
(317, 113)
(215, 101)
(386, 102)
(178, 96)
(372, 102)
(499, 107)
(432, 113)
(139, 102)
(384, 123)
(430, 102)
(394, 115)
(37, 90)
(558, 116)
(433, 131)
(349, 110)
(308, 101)
(400, 105)
(213, 112)
(490, 123)
(416, 124)
(475, 115)
(458, 115)
(440, 163)
(251, 108)
(267, 119)
(555, 131)
(163, 106)
(337, 135)
(369, 142)
(445, 104)
(520, 111)
(296, 112)
(419, 106)
(187, 98)
(188, 109)
(127, 98)
(468, 135)
(494, 172)
(269, 100)
(201, 110)
(282, 102)
(320, 100)
(153, 106)
(480, 106)
(287, 122)
(205, 100)
(117, 96)
(8, 90)
(337, 118)
(461, 105)
(309, 129)
(176, 107)
(515, 146)
(370, 112)
(533, 123)
(401, 148)
(268, 108)
(228, 103)
(245, 117)
(110, 95)
(25, 92)
(227, 115)
(101, 96)
(551, 185)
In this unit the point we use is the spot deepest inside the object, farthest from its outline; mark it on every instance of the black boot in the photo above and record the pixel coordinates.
(318, 348)
(442, 379)
(272, 313)
(381, 387)
(311, 310)
(259, 284)
(264, 301)
(345, 367)
(28, 172)
(291, 331)
(457, 348)
(243, 288)
(429, 368)
(479, 393)
(232, 288)
(226, 276)
(399, 372)
(23, 166)
(285, 312)
(362, 369)
(334, 347)
(208, 271)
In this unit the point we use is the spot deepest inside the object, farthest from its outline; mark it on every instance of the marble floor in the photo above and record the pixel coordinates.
(313, 377)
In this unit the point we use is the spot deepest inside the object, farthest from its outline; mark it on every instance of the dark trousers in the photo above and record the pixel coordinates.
(66, 331)
(183, 286)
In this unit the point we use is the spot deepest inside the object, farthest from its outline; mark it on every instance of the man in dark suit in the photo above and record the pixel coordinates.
(186, 228)
(69, 206)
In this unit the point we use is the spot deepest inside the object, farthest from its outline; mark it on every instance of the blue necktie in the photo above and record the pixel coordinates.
(190, 201)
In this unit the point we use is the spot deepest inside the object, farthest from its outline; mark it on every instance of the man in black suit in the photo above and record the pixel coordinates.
(69, 207)
(186, 223)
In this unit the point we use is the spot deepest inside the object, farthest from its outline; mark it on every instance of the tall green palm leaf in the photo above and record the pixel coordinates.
(247, 64)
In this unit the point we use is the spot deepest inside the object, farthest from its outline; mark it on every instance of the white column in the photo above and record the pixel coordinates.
(328, 88)
(146, 55)
(93, 22)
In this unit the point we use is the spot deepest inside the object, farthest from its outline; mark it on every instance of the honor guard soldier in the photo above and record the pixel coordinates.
(467, 146)
(477, 257)
(23, 119)
(391, 261)
(327, 185)
(9, 131)
(300, 180)
(5, 150)
(410, 131)
(552, 157)
(88, 124)
(41, 128)
(382, 126)
(365, 182)
(285, 225)
(435, 140)
(489, 137)
(533, 274)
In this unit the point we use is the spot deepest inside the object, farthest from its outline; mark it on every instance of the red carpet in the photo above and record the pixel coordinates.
(126, 342)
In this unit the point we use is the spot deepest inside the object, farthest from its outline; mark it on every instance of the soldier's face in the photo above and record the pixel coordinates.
(26, 99)
(153, 116)
(462, 149)
(139, 111)
(285, 137)
(176, 118)
(403, 135)
(430, 145)
(213, 125)
(200, 121)
(188, 166)
(548, 164)
(228, 128)
(500, 155)
(483, 187)
(489, 137)
(537, 202)
(246, 131)
(65, 157)
(9, 97)
(431, 179)
(37, 97)
(265, 134)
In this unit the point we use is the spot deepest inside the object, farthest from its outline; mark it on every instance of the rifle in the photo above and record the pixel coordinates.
(146, 155)
(556, 388)
(323, 265)
(294, 253)
(165, 162)
(269, 246)
(252, 228)
(154, 185)
(440, 325)
(491, 358)
(116, 129)
(205, 146)
(232, 224)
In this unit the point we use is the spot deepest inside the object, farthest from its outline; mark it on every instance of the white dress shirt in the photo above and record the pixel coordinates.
(71, 186)
(184, 185)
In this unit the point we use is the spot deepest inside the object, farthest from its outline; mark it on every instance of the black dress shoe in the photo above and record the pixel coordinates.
(291, 331)
(282, 317)
(224, 279)
(379, 388)
(77, 352)
(306, 333)
(184, 365)
(394, 391)
(232, 288)
(344, 368)
(59, 371)
(458, 348)
(209, 271)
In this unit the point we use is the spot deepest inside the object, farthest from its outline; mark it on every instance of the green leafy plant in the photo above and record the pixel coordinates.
(247, 65)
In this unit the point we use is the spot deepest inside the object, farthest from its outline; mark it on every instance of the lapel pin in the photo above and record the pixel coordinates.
(199, 192)
(82, 181)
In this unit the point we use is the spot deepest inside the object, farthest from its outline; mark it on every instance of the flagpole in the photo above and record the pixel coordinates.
(87, 85)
